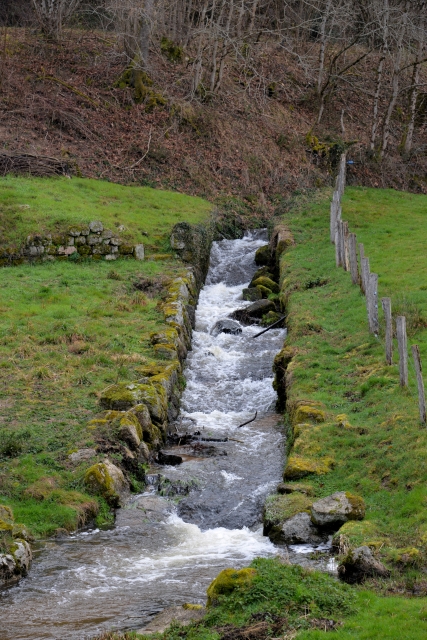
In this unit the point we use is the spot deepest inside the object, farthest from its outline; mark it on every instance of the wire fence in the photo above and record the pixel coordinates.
(351, 257)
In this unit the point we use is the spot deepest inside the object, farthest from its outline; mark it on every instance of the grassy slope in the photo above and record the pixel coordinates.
(47, 205)
(68, 330)
(382, 454)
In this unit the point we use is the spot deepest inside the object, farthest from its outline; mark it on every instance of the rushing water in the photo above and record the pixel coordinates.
(162, 553)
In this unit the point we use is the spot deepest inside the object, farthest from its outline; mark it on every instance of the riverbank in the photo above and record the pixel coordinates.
(75, 325)
(369, 427)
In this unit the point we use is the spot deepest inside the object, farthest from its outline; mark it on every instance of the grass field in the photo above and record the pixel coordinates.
(68, 330)
(51, 205)
(379, 447)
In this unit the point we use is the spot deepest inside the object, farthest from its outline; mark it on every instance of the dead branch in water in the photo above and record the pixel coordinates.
(251, 420)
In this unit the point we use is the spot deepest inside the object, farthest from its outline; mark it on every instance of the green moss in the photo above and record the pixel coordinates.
(5, 527)
(172, 51)
(295, 487)
(358, 506)
(227, 581)
(299, 467)
(263, 291)
(304, 413)
(166, 351)
(356, 533)
(263, 255)
(131, 420)
(267, 283)
(6, 514)
(99, 481)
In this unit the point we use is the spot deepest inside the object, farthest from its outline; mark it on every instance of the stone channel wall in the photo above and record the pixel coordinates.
(91, 240)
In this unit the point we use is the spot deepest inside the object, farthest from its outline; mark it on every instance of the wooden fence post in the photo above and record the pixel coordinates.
(352, 254)
(403, 350)
(365, 276)
(420, 382)
(334, 215)
(386, 304)
(339, 244)
(372, 300)
(361, 255)
(346, 261)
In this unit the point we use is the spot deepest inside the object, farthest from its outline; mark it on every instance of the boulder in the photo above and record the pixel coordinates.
(130, 431)
(251, 294)
(262, 271)
(264, 291)
(123, 396)
(268, 283)
(227, 581)
(259, 308)
(226, 326)
(263, 255)
(20, 550)
(82, 454)
(360, 564)
(307, 412)
(336, 509)
(279, 509)
(108, 480)
(299, 530)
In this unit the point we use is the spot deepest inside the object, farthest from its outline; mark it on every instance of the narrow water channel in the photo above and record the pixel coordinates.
(165, 551)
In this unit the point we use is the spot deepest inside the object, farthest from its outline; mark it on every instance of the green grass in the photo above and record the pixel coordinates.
(68, 330)
(29, 205)
(382, 453)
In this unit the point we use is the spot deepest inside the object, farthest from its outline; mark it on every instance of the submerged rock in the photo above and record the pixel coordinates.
(226, 326)
(251, 294)
(185, 615)
(360, 564)
(336, 509)
(168, 458)
(259, 308)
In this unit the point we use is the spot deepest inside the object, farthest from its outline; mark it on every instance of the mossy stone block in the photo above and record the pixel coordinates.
(251, 294)
(107, 480)
(306, 413)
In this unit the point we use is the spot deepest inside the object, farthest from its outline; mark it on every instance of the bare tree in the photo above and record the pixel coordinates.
(52, 14)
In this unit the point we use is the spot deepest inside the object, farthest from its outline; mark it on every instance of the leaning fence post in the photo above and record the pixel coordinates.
(362, 255)
(420, 382)
(403, 350)
(372, 299)
(352, 254)
(386, 304)
(339, 244)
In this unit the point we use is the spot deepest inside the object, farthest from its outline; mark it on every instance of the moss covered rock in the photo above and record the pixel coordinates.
(295, 487)
(130, 430)
(355, 533)
(261, 272)
(263, 255)
(336, 509)
(228, 581)
(107, 480)
(299, 467)
(123, 396)
(166, 351)
(251, 294)
(306, 413)
(263, 281)
(280, 508)
(264, 291)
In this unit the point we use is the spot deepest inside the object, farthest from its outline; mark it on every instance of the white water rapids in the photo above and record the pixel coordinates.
(160, 554)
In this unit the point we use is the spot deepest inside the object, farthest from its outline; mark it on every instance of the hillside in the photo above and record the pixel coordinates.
(253, 142)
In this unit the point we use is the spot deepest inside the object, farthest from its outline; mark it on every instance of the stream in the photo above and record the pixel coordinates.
(165, 551)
